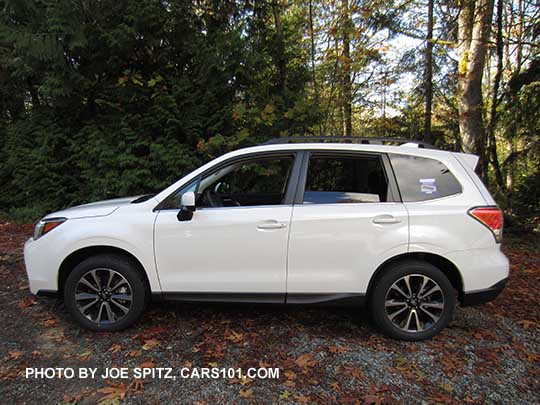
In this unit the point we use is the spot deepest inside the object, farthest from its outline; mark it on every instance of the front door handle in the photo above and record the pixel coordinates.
(271, 224)
(385, 219)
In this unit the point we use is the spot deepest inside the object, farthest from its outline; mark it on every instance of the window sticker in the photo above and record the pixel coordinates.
(428, 186)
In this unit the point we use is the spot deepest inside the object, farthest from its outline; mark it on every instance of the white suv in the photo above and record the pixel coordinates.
(407, 230)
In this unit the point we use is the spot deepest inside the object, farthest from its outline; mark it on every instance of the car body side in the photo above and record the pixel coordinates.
(454, 236)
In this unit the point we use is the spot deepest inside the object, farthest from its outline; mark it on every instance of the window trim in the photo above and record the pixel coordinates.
(292, 182)
(393, 191)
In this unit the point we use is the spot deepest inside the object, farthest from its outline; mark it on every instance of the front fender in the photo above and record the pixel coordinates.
(44, 257)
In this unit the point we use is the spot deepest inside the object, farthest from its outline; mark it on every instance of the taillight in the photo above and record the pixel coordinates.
(491, 217)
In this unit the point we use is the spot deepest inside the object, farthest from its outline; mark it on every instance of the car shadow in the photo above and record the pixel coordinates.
(322, 320)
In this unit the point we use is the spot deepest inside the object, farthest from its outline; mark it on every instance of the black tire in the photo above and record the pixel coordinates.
(122, 268)
(385, 295)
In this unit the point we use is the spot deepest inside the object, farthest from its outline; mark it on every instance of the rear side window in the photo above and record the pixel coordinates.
(345, 179)
(422, 179)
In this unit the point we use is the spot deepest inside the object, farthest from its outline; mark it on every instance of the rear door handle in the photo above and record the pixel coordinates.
(271, 224)
(385, 219)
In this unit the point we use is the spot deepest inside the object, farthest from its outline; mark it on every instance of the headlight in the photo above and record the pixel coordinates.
(46, 225)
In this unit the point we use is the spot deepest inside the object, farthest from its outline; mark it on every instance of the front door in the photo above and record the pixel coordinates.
(236, 241)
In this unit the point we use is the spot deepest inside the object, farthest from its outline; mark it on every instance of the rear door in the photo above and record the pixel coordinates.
(347, 220)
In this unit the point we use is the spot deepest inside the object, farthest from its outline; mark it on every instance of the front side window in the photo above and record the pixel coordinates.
(247, 183)
(345, 179)
(422, 179)
(258, 181)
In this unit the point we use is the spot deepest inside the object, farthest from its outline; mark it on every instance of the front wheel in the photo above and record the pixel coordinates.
(105, 293)
(413, 300)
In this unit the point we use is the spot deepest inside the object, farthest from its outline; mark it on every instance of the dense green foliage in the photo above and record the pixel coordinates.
(100, 99)
(112, 98)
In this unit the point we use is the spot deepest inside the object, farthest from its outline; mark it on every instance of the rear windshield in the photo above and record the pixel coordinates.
(422, 179)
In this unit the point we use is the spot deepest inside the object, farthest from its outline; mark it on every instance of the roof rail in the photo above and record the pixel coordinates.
(351, 139)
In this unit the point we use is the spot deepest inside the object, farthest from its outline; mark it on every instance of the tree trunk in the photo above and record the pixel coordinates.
(346, 67)
(474, 26)
(495, 101)
(313, 56)
(280, 57)
(313, 50)
(428, 77)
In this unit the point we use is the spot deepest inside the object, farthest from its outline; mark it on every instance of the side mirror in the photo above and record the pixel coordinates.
(188, 200)
(187, 206)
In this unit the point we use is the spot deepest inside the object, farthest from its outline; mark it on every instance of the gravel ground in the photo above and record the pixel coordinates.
(332, 355)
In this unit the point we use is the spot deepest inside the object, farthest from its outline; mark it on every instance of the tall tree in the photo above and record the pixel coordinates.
(346, 68)
(492, 142)
(474, 27)
(428, 77)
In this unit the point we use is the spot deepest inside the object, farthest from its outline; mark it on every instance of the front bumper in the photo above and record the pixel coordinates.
(480, 297)
(41, 267)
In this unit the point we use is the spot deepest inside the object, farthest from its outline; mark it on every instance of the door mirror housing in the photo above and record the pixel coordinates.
(187, 206)
(188, 200)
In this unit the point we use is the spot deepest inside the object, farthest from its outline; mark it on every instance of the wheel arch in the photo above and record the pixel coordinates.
(81, 254)
(449, 269)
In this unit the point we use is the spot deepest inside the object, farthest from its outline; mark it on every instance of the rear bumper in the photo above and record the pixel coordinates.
(480, 297)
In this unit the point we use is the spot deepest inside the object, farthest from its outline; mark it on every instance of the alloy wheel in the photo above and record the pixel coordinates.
(103, 296)
(414, 303)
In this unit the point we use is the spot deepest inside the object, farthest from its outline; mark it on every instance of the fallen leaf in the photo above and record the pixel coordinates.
(50, 322)
(291, 375)
(338, 349)
(246, 393)
(56, 335)
(372, 399)
(533, 357)
(234, 336)
(357, 374)
(28, 302)
(305, 360)
(150, 344)
(75, 398)
(13, 355)
(244, 380)
(115, 348)
(147, 364)
(446, 387)
(113, 391)
(85, 356)
(137, 385)
(527, 324)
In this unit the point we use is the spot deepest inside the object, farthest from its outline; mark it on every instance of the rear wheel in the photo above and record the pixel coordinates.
(105, 293)
(413, 300)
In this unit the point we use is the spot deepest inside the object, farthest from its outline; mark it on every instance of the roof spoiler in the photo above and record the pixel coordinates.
(468, 159)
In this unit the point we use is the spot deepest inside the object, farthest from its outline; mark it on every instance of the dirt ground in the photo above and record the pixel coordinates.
(331, 355)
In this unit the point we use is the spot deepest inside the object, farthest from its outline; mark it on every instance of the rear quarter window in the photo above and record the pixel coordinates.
(422, 179)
